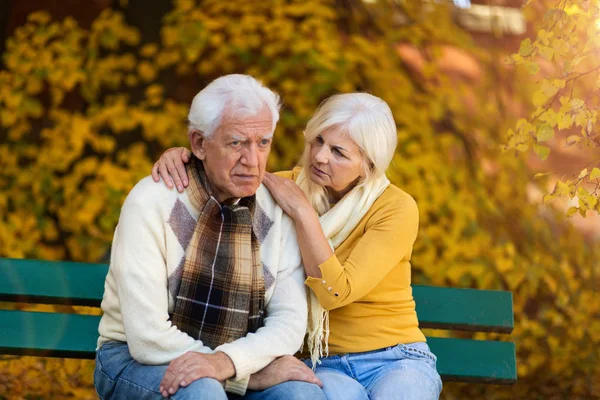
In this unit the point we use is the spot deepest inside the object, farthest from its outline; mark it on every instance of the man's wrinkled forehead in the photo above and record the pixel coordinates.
(242, 119)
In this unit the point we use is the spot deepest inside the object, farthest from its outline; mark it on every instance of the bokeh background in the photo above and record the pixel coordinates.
(92, 92)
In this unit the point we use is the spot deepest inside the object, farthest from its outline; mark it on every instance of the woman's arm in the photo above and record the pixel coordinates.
(171, 168)
(386, 242)
(313, 244)
(389, 237)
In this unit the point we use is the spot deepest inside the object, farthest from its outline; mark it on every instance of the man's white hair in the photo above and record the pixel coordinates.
(369, 122)
(241, 95)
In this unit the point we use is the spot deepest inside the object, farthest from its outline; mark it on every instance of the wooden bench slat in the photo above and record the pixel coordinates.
(64, 282)
(48, 334)
(477, 361)
(52, 282)
(74, 336)
(464, 309)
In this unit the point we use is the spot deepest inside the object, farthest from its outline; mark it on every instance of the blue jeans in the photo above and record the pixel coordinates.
(393, 373)
(119, 376)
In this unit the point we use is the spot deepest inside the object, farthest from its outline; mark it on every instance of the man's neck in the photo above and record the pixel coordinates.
(221, 199)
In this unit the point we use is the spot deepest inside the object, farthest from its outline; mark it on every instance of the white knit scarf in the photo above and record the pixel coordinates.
(337, 224)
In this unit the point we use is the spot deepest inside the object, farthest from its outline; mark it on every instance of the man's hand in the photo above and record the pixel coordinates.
(283, 369)
(193, 366)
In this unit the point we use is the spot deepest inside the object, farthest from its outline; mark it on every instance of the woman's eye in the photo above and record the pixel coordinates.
(319, 140)
(339, 153)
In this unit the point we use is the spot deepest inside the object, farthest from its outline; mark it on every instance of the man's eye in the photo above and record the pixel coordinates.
(265, 142)
(236, 143)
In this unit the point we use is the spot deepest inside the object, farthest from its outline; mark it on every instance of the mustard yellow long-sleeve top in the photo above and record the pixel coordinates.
(370, 302)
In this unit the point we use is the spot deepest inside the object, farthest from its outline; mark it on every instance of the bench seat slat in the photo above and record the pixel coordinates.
(464, 309)
(64, 282)
(74, 336)
(48, 334)
(477, 361)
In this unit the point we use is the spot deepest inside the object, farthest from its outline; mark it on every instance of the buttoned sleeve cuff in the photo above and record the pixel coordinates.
(329, 288)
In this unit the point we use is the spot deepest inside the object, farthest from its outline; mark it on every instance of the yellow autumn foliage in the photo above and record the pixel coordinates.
(85, 112)
(565, 98)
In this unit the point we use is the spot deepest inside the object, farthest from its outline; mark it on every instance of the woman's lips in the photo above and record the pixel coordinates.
(318, 171)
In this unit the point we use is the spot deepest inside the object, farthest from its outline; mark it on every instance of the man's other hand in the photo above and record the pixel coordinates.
(283, 369)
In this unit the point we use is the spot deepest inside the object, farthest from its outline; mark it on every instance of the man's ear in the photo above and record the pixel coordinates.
(198, 144)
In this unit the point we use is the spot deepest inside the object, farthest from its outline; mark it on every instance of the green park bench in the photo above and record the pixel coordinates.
(56, 334)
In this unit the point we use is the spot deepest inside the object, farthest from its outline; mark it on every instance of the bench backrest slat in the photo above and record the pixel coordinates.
(72, 335)
(464, 309)
(64, 282)
(52, 282)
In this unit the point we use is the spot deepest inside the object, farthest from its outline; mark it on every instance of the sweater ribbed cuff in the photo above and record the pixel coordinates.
(237, 386)
(243, 364)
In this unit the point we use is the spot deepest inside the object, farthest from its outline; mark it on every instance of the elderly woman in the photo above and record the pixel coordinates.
(356, 233)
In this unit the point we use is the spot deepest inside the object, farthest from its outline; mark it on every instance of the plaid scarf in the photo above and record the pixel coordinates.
(222, 293)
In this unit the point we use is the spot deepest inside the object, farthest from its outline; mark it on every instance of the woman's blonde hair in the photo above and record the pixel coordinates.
(369, 122)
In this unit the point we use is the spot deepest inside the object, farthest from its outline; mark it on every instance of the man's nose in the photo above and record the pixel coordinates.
(250, 156)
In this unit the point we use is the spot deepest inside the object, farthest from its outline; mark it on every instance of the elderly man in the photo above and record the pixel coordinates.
(205, 287)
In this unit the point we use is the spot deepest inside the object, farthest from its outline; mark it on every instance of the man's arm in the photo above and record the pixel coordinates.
(139, 267)
(285, 323)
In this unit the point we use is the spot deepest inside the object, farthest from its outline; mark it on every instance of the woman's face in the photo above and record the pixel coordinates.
(335, 162)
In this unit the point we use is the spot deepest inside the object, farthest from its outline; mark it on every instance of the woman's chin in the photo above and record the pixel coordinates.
(316, 179)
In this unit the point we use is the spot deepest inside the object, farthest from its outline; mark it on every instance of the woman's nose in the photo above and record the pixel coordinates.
(321, 156)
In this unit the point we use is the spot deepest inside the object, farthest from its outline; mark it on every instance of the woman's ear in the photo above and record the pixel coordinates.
(198, 144)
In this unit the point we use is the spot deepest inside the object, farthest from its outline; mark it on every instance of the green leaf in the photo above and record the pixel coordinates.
(544, 133)
(595, 173)
(542, 151)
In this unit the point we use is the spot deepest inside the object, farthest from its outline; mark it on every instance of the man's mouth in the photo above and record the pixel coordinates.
(245, 177)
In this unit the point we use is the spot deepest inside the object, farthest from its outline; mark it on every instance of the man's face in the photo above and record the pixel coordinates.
(235, 156)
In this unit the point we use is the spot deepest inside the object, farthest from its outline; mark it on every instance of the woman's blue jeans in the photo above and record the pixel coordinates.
(393, 373)
(119, 376)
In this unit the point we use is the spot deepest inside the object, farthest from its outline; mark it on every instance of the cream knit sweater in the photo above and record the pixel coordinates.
(148, 250)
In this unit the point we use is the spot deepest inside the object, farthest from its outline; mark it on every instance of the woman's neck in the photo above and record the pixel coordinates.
(334, 196)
